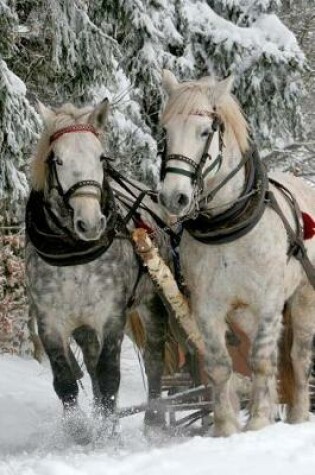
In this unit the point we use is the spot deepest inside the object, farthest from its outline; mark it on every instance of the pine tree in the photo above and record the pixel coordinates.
(196, 38)
(18, 124)
(247, 39)
(80, 51)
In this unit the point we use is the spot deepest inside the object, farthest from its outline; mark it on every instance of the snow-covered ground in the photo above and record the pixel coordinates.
(32, 442)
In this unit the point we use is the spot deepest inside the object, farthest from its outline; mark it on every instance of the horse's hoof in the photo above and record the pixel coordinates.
(298, 418)
(77, 426)
(257, 423)
(225, 429)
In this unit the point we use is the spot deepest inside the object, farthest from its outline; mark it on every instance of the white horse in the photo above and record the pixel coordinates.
(248, 280)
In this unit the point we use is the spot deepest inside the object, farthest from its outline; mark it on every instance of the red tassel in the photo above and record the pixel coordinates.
(309, 226)
(141, 224)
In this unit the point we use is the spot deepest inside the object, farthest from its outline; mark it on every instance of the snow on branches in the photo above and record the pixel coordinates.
(18, 127)
(14, 321)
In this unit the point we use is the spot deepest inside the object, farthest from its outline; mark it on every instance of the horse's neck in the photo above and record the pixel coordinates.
(231, 191)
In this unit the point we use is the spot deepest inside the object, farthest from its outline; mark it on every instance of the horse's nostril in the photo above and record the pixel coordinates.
(182, 199)
(81, 225)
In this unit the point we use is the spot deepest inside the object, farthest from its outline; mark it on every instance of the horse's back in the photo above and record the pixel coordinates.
(302, 190)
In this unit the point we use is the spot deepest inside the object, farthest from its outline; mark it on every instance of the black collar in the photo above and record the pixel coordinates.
(55, 244)
(242, 216)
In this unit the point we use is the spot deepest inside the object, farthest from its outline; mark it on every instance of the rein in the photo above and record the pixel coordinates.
(54, 242)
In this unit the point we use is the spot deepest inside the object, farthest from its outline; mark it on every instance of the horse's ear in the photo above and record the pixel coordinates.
(98, 117)
(46, 113)
(222, 88)
(169, 81)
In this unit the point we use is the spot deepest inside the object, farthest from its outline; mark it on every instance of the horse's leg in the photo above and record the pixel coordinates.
(56, 347)
(155, 318)
(108, 366)
(303, 325)
(264, 366)
(218, 366)
(87, 339)
(65, 385)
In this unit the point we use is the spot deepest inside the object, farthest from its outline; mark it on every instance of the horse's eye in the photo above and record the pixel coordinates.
(53, 158)
(204, 134)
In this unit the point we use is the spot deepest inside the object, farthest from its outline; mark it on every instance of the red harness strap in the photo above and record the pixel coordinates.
(308, 226)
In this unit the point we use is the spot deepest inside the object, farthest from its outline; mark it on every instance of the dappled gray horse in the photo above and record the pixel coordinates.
(238, 245)
(82, 272)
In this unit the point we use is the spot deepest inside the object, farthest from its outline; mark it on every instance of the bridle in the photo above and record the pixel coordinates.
(198, 174)
(53, 161)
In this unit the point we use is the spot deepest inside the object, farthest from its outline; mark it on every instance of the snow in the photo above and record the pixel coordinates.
(11, 81)
(268, 34)
(32, 443)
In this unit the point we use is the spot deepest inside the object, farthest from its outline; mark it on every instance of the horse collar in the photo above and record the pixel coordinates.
(55, 243)
(242, 216)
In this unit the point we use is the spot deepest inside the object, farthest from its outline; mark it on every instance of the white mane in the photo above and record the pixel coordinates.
(64, 116)
(195, 95)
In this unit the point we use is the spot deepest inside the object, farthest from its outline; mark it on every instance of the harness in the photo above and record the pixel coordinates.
(53, 240)
(242, 216)
(245, 213)
(56, 243)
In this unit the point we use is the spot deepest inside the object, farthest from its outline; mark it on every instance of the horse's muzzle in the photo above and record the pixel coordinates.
(90, 230)
(175, 203)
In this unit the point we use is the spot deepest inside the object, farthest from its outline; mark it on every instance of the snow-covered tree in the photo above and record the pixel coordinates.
(200, 37)
(18, 122)
(246, 38)
(76, 50)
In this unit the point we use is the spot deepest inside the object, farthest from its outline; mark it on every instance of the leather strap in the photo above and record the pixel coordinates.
(297, 248)
(242, 216)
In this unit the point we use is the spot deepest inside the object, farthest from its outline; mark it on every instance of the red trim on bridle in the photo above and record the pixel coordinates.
(73, 128)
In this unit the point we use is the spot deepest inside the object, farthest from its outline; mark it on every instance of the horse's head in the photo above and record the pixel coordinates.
(195, 119)
(68, 166)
